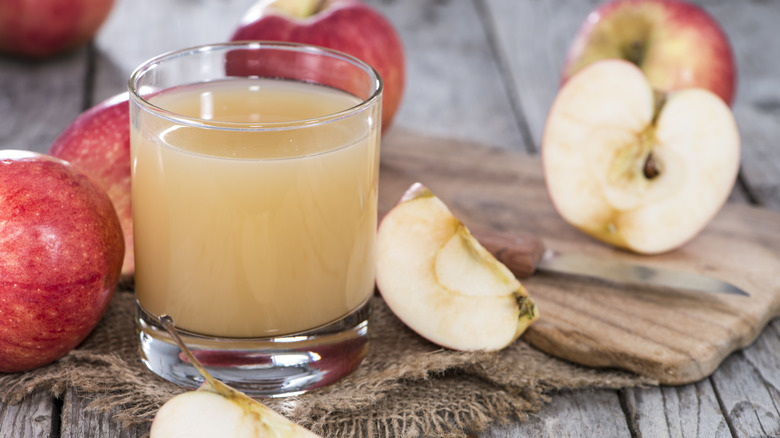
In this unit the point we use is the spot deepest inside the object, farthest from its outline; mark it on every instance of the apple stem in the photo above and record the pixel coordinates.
(636, 53)
(301, 9)
(167, 322)
(660, 100)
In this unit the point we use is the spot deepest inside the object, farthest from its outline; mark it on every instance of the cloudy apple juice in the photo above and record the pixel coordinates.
(248, 224)
(254, 195)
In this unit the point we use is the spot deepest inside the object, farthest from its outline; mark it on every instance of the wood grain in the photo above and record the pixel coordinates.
(446, 49)
(595, 413)
(674, 336)
(35, 417)
(78, 421)
(141, 29)
(679, 411)
(59, 83)
(750, 400)
(757, 103)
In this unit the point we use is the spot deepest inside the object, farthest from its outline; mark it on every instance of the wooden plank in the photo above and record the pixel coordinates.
(441, 97)
(39, 99)
(36, 416)
(762, 357)
(748, 387)
(79, 422)
(138, 30)
(532, 38)
(570, 414)
(694, 410)
(752, 30)
(454, 86)
(684, 336)
(677, 411)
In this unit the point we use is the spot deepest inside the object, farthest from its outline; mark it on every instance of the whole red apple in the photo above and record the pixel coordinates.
(676, 44)
(61, 251)
(40, 28)
(350, 26)
(97, 143)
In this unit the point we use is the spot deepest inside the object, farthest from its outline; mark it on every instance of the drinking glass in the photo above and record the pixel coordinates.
(254, 192)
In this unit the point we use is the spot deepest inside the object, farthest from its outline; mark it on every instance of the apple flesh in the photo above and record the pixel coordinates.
(61, 251)
(676, 44)
(97, 143)
(438, 280)
(41, 28)
(634, 168)
(349, 26)
(216, 409)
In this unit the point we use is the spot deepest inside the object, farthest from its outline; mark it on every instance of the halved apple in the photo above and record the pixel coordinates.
(634, 168)
(438, 280)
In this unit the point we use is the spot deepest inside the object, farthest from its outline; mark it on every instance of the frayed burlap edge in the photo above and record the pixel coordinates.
(405, 387)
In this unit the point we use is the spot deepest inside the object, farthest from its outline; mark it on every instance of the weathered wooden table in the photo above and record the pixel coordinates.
(480, 71)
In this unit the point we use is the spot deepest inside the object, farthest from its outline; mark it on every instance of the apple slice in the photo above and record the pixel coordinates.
(216, 409)
(634, 168)
(438, 280)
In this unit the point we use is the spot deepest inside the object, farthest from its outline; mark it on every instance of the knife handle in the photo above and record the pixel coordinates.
(519, 252)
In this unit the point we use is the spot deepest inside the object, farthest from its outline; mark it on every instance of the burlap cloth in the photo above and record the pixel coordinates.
(405, 387)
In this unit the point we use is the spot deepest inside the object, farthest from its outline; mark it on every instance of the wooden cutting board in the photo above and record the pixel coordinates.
(676, 337)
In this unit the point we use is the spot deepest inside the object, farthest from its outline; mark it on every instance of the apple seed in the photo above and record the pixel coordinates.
(651, 169)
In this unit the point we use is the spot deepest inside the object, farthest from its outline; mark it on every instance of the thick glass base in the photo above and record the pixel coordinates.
(272, 367)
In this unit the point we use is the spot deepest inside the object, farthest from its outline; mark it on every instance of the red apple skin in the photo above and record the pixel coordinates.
(685, 46)
(61, 251)
(350, 26)
(97, 143)
(42, 28)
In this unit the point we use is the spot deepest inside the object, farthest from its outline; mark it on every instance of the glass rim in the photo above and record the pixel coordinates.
(152, 63)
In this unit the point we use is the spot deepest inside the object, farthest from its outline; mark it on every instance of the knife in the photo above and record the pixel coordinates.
(525, 254)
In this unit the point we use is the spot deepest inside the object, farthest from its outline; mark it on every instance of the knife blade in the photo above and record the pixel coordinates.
(524, 254)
